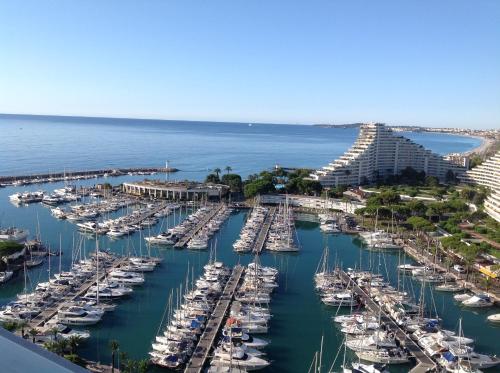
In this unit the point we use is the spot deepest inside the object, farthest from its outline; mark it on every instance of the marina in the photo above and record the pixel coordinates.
(134, 321)
(214, 323)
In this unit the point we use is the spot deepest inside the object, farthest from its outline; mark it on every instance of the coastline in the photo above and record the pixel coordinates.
(482, 148)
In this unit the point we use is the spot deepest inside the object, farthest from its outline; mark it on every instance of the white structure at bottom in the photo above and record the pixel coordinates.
(487, 174)
(379, 153)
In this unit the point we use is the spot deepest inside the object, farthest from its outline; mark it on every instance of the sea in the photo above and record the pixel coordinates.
(300, 321)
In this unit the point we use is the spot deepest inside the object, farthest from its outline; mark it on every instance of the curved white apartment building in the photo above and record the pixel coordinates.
(378, 152)
(488, 175)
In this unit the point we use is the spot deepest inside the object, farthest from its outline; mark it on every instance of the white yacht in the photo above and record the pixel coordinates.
(495, 318)
(340, 299)
(383, 356)
(5, 276)
(78, 316)
(238, 358)
(127, 278)
(13, 234)
(478, 301)
(365, 368)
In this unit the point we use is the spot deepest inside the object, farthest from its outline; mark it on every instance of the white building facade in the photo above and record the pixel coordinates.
(379, 153)
(487, 174)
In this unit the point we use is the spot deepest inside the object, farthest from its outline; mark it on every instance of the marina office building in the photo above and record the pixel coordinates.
(179, 191)
(379, 153)
(487, 174)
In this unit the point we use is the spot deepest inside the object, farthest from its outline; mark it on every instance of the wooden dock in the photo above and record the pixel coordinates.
(424, 361)
(184, 240)
(207, 339)
(47, 314)
(264, 230)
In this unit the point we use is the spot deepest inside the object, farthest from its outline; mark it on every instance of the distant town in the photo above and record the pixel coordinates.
(488, 133)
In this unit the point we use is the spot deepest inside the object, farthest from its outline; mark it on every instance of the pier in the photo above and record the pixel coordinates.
(50, 312)
(207, 339)
(58, 176)
(264, 230)
(148, 214)
(184, 240)
(424, 361)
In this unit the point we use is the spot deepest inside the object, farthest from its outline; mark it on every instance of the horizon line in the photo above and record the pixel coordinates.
(224, 122)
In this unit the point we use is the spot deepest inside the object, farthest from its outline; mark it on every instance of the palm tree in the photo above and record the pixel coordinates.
(228, 169)
(122, 359)
(22, 325)
(217, 171)
(54, 332)
(33, 332)
(51, 346)
(73, 342)
(486, 282)
(114, 346)
(62, 346)
(142, 366)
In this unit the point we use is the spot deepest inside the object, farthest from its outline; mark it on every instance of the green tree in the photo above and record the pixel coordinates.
(217, 171)
(142, 366)
(114, 346)
(73, 342)
(259, 186)
(228, 169)
(212, 178)
(420, 224)
(33, 333)
(233, 181)
(10, 326)
(416, 207)
(431, 181)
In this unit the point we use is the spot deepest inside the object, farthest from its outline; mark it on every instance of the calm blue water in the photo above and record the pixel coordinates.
(300, 320)
(48, 144)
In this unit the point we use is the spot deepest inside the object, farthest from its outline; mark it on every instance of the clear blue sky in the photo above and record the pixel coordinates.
(424, 62)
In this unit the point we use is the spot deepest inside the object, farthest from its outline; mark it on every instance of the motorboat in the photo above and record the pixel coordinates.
(238, 358)
(384, 356)
(78, 316)
(13, 234)
(449, 287)
(340, 299)
(478, 301)
(5, 276)
(462, 297)
(495, 318)
(365, 368)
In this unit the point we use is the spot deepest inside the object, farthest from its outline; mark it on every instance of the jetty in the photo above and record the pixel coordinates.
(66, 175)
(214, 323)
(50, 312)
(424, 362)
(264, 230)
(186, 238)
(139, 219)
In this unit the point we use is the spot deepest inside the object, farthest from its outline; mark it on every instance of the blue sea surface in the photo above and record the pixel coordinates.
(52, 144)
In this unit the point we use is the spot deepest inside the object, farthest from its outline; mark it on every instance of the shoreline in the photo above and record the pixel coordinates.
(480, 149)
